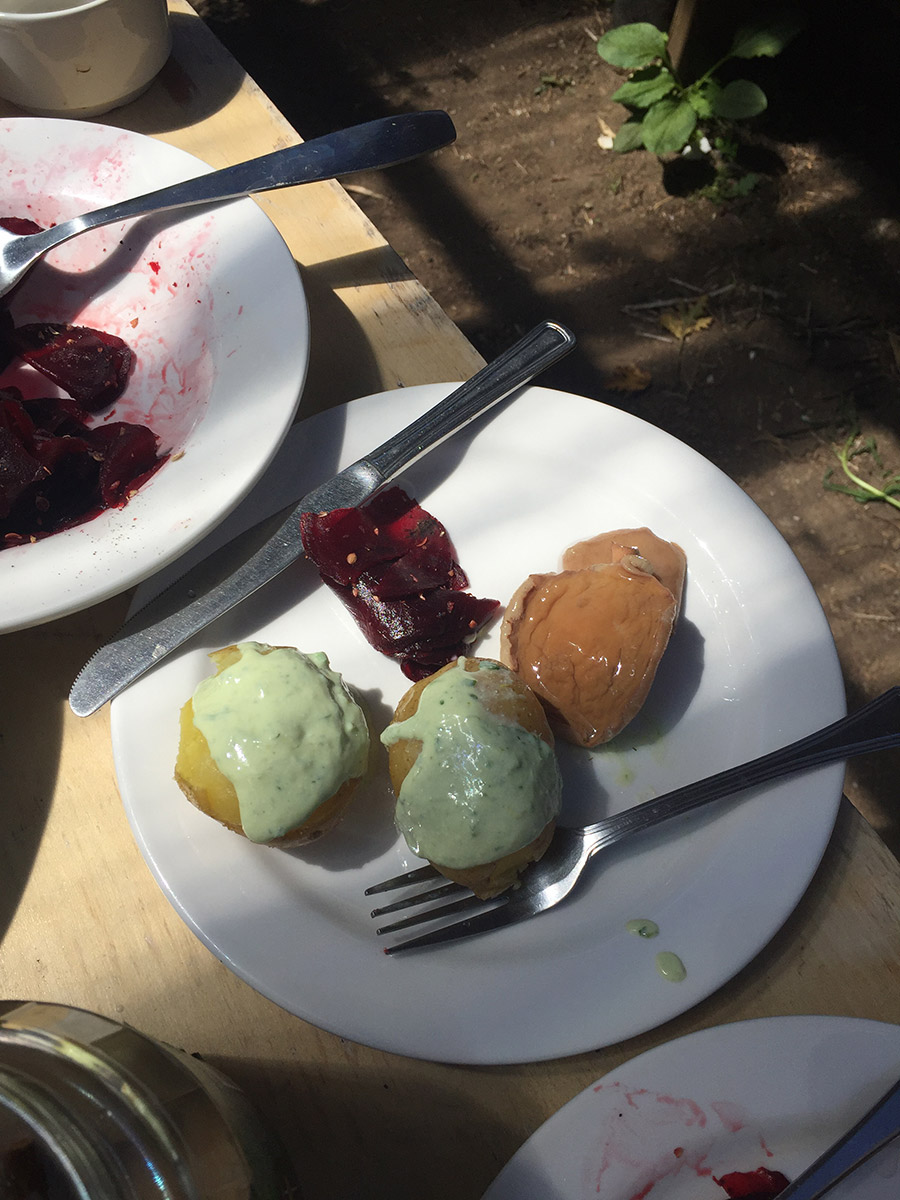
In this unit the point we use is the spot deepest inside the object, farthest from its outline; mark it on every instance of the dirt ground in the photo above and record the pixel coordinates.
(527, 217)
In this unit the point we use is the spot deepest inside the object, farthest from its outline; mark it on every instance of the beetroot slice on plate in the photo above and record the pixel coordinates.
(89, 365)
(55, 472)
(56, 414)
(437, 618)
(411, 574)
(18, 470)
(20, 225)
(394, 567)
(127, 452)
(391, 528)
(761, 1184)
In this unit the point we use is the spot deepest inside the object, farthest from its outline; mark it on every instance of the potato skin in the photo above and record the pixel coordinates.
(505, 694)
(213, 793)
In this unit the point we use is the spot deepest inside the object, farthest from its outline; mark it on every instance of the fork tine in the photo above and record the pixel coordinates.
(433, 914)
(417, 876)
(483, 922)
(438, 893)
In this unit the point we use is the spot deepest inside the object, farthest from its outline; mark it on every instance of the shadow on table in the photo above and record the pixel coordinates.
(412, 1145)
(183, 95)
(37, 667)
(336, 378)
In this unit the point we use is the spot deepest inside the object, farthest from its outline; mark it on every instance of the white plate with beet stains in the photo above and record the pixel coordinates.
(772, 1094)
(750, 667)
(210, 303)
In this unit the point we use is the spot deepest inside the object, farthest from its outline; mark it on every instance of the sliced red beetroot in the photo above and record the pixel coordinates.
(50, 450)
(56, 414)
(18, 470)
(410, 575)
(417, 668)
(54, 471)
(394, 566)
(343, 543)
(432, 628)
(349, 541)
(89, 365)
(20, 225)
(126, 452)
(15, 417)
(69, 478)
(7, 345)
(436, 618)
(407, 525)
(761, 1184)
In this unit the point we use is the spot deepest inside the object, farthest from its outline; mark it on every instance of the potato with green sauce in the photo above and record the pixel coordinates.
(471, 760)
(273, 745)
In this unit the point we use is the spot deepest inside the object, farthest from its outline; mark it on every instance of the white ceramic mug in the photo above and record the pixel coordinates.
(80, 58)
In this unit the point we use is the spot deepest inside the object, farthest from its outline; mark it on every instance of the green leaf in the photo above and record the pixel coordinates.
(632, 46)
(645, 87)
(702, 99)
(668, 126)
(739, 99)
(629, 137)
(757, 41)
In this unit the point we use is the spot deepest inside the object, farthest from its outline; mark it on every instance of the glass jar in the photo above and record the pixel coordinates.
(90, 1109)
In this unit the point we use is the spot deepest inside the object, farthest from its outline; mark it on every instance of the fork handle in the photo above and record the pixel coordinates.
(875, 726)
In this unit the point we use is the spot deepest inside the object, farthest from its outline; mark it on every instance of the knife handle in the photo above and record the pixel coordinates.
(533, 353)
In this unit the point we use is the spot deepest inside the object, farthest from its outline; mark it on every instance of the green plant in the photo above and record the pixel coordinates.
(859, 488)
(669, 115)
(553, 81)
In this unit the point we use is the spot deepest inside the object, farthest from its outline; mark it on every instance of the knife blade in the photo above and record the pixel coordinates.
(879, 1126)
(239, 569)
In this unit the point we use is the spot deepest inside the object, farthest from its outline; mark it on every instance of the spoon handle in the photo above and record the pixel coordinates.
(372, 145)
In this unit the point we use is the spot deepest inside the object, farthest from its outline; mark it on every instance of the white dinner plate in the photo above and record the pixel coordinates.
(773, 1093)
(751, 667)
(211, 304)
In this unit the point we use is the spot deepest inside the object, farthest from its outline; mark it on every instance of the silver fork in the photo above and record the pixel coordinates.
(546, 883)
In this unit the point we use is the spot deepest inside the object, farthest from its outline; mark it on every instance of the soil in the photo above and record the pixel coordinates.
(526, 217)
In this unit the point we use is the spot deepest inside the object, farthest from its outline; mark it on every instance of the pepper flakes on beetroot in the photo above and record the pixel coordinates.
(394, 566)
(89, 365)
(56, 472)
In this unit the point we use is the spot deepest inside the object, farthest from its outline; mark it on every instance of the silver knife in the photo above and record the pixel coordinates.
(217, 583)
(879, 1126)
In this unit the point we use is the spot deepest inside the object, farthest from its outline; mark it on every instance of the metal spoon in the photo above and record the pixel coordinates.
(375, 144)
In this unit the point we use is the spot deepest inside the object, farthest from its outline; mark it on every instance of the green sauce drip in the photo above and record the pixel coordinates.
(642, 927)
(670, 966)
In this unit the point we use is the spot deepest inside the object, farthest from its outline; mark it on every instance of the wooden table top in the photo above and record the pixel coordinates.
(84, 923)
